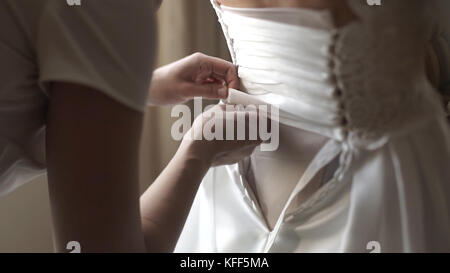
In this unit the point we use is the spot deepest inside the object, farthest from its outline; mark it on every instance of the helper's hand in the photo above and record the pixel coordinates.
(217, 152)
(197, 75)
(173, 192)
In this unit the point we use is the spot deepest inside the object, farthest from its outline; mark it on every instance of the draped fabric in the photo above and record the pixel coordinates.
(366, 90)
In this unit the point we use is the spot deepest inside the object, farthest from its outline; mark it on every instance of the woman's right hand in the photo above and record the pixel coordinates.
(219, 151)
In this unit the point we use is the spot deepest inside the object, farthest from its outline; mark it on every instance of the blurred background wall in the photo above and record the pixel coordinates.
(185, 27)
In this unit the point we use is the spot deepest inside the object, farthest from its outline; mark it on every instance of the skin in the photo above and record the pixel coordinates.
(92, 170)
(195, 76)
(173, 191)
(92, 156)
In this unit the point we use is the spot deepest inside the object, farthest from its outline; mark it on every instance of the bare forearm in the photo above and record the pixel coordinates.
(166, 203)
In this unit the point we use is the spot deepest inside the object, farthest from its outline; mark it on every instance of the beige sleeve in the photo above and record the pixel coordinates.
(107, 45)
(438, 61)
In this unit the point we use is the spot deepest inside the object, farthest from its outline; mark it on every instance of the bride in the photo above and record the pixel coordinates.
(364, 155)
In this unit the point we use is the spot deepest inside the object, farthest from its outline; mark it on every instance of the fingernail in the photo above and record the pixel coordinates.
(223, 92)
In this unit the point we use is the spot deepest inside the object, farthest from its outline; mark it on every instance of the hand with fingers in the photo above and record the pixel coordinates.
(223, 135)
(197, 75)
(173, 192)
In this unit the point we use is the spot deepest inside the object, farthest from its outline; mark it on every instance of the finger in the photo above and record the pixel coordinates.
(207, 91)
(219, 69)
(244, 123)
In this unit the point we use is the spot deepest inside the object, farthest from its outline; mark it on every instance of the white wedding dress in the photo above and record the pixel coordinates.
(363, 88)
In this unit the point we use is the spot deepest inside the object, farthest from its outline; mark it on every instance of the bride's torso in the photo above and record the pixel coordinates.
(272, 175)
(363, 87)
(355, 82)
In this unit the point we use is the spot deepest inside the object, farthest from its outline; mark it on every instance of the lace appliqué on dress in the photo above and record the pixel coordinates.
(379, 67)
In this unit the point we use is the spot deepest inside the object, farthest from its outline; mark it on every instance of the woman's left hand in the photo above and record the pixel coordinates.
(197, 75)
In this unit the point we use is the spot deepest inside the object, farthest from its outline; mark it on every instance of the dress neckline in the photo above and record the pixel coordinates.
(311, 18)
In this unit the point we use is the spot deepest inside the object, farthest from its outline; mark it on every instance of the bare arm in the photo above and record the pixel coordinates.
(166, 204)
(92, 156)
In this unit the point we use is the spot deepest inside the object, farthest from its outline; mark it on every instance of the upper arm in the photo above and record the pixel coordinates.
(438, 61)
(92, 156)
(95, 62)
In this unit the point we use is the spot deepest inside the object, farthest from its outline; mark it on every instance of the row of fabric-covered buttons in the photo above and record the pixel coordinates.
(338, 91)
(342, 133)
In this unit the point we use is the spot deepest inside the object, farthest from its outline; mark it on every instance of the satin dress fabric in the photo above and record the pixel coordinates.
(387, 141)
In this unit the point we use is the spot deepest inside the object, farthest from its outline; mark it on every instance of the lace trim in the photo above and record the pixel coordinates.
(380, 68)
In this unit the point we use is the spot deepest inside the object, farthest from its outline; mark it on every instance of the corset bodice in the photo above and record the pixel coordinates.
(360, 82)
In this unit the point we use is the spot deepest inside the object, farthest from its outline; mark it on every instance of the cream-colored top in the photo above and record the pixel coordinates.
(106, 45)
